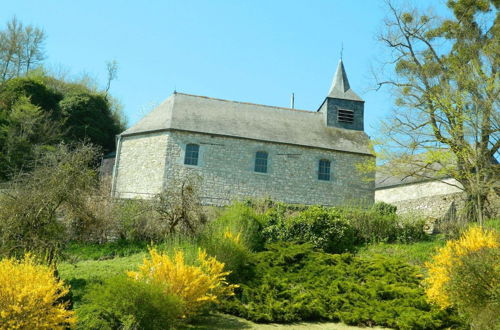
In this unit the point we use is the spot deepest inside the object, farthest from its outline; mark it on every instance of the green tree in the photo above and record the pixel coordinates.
(27, 129)
(88, 116)
(21, 49)
(447, 84)
(40, 111)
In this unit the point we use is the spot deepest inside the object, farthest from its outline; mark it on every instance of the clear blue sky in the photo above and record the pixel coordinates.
(256, 51)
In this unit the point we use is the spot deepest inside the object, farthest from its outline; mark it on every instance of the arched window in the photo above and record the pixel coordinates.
(324, 170)
(191, 156)
(261, 162)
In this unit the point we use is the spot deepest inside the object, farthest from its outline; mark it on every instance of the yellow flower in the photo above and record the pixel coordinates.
(439, 268)
(229, 235)
(195, 285)
(30, 295)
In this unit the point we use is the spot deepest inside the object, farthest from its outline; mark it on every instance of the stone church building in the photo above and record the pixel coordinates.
(244, 150)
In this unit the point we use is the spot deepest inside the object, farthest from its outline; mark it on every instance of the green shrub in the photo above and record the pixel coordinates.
(239, 219)
(296, 283)
(383, 208)
(231, 238)
(122, 303)
(325, 228)
(475, 287)
(235, 256)
(338, 230)
(372, 226)
(410, 230)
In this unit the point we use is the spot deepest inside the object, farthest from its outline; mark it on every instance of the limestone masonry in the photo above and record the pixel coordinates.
(242, 150)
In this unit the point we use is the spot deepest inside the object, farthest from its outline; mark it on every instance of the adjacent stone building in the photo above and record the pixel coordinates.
(244, 150)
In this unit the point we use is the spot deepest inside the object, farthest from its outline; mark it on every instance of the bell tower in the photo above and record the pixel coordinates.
(342, 107)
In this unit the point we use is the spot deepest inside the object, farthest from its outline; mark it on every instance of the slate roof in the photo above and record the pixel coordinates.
(340, 86)
(414, 172)
(251, 121)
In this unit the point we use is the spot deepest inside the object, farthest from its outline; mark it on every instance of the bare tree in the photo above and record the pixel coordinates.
(179, 206)
(21, 49)
(112, 70)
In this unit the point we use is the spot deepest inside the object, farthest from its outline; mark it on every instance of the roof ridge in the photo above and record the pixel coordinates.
(248, 103)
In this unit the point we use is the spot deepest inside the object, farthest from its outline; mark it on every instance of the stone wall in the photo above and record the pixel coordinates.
(431, 198)
(139, 166)
(226, 167)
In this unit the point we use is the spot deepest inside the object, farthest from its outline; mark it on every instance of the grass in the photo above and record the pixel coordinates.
(120, 248)
(416, 253)
(83, 273)
(224, 321)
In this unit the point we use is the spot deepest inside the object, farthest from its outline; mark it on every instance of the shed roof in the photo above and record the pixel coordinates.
(252, 121)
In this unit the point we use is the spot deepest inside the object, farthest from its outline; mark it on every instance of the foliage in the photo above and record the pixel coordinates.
(30, 210)
(295, 283)
(384, 208)
(197, 286)
(88, 117)
(449, 259)
(21, 49)
(229, 249)
(446, 123)
(326, 228)
(475, 287)
(338, 230)
(33, 88)
(30, 296)
(240, 219)
(122, 303)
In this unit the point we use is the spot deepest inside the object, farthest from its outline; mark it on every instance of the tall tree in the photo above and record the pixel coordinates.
(21, 49)
(447, 85)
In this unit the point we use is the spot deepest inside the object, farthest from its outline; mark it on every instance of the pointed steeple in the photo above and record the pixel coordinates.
(340, 86)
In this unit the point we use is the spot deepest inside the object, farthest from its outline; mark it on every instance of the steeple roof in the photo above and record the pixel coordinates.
(340, 86)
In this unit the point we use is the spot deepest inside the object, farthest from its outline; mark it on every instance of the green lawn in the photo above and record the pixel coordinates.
(416, 253)
(83, 273)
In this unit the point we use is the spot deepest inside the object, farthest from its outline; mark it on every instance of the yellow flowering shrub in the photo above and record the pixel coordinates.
(195, 285)
(230, 236)
(440, 268)
(29, 295)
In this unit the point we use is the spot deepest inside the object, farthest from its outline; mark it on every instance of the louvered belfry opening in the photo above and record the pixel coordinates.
(345, 116)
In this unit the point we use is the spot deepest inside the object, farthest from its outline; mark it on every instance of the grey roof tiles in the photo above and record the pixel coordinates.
(251, 121)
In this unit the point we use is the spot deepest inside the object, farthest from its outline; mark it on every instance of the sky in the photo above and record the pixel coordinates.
(258, 51)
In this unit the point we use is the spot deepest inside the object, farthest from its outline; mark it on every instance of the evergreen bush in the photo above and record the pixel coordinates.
(296, 283)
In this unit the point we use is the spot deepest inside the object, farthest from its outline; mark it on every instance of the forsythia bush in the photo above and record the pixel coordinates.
(30, 295)
(195, 285)
(448, 257)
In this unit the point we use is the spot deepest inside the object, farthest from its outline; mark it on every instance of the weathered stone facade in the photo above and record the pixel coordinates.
(226, 167)
(429, 198)
(309, 157)
(140, 165)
